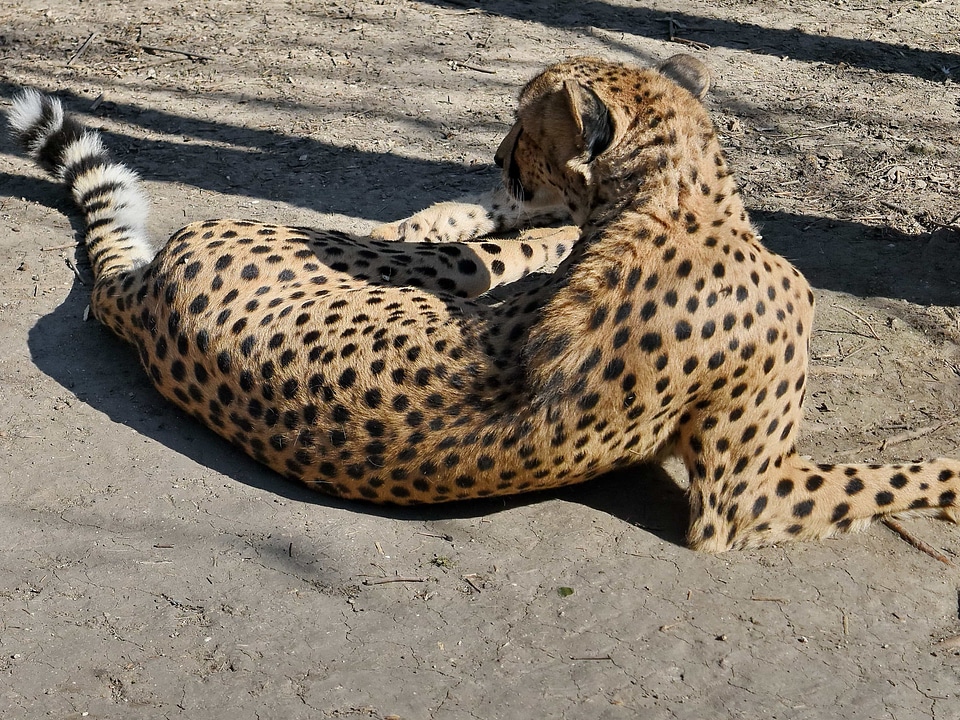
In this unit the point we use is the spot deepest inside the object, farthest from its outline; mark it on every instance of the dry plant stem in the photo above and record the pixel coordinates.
(894, 206)
(470, 582)
(76, 272)
(168, 61)
(914, 434)
(842, 371)
(81, 50)
(903, 437)
(691, 43)
(153, 49)
(671, 24)
(951, 224)
(859, 317)
(919, 544)
(475, 68)
(384, 581)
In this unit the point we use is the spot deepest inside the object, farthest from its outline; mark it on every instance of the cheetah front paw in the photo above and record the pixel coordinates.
(388, 231)
(441, 223)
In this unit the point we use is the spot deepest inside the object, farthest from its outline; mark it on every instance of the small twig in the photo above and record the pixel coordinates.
(919, 544)
(76, 272)
(155, 49)
(899, 438)
(950, 224)
(600, 658)
(66, 246)
(671, 24)
(475, 68)
(842, 371)
(398, 579)
(770, 599)
(470, 582)
(691, 43)
(914, 434)
(859, 317)
(893, 206)
(168, 61)
(845, 332)
(81, 50)
(442, 536)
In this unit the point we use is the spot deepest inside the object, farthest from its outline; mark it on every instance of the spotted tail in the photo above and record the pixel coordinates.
(107, 192)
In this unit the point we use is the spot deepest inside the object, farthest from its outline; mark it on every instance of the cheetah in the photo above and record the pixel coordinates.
(371, 369)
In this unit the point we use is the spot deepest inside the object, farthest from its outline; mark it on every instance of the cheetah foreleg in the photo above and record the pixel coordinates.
(469, 218)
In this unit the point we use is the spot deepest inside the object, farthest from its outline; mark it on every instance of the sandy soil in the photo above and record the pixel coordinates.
(149, 570)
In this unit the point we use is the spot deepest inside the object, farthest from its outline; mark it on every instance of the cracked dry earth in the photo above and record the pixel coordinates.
(149, 570)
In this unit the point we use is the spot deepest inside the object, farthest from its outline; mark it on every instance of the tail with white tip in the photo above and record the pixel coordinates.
(107, 192)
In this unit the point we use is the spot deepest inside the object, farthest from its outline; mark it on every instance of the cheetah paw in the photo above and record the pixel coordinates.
(441, 223)
(388, 231)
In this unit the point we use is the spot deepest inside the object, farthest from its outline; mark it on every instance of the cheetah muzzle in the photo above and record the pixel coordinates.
(365, 368)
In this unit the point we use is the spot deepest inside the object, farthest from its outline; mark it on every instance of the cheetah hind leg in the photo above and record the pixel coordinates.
(469, 218)
(797, 500)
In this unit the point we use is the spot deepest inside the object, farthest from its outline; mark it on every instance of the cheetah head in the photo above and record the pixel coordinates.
(575, 113)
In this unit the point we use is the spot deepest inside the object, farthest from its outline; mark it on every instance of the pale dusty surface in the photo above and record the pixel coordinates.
(149, 570)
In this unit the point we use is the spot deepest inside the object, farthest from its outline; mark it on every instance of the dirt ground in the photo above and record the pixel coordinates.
(150, 570)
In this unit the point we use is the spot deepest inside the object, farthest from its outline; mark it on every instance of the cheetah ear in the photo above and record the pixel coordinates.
(688, 72)
(591, 116)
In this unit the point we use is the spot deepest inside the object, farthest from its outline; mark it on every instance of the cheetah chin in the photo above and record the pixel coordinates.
(365, 368)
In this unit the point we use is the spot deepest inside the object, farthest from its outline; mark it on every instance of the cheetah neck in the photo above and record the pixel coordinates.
(654, 206)
(664, 180)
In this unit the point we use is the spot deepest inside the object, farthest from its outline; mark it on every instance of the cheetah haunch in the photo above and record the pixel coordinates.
(363, 368)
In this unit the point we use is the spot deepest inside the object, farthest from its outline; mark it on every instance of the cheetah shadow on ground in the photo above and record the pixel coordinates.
(103, 372)
(866, 261)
